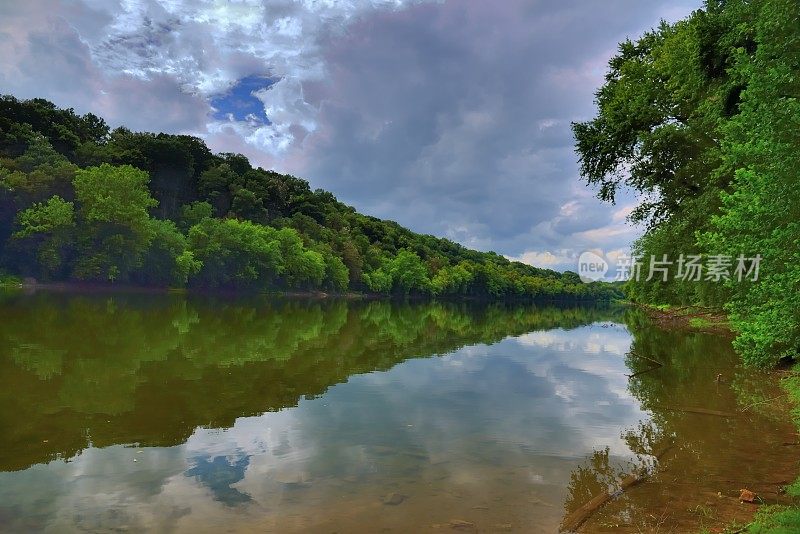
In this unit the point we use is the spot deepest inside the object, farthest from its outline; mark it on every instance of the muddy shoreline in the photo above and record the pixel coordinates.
(690, 318)
(723, 511)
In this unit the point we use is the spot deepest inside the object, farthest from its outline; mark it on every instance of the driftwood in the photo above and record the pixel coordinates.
(701, 411)
(577, 518)
(656, 364)
(637, 373)
(648, 358)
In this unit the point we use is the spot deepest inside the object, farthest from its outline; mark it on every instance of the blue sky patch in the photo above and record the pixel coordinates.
(217, 474)
(238, 102)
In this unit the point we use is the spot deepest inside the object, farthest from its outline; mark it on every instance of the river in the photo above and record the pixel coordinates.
(175, 413)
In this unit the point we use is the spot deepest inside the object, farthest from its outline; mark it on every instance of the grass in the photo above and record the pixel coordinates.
(700, 322)
(776, 520)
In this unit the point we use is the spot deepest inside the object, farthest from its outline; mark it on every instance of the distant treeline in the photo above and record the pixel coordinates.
(79, 201)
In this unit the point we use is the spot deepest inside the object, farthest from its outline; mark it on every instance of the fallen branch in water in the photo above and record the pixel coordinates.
(656, 364)
(648, 358)
(701, 411)
(574, 520)
(637, 373)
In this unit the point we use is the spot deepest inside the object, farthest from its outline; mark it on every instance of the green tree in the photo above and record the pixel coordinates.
(409, 273)
(47, 227)
(704, 115)
(761, 214)
(195, 212)
(120, 180)
(453, 280)
(168, 260)
(665, 99)
(235, 253)
(302, 268)
(214, 186)
(46, 217)
(337, 275)
(117, 195)
(248, 205)
(39, 173)
(378, 280)
(116, 229)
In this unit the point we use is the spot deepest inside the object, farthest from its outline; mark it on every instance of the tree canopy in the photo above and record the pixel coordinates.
(702, 119)
(79, 201)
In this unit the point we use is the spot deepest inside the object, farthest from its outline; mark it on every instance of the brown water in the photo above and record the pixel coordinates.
(167, 413)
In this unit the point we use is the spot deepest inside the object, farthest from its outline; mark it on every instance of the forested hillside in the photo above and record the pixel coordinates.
(702, 119)
(81, 202)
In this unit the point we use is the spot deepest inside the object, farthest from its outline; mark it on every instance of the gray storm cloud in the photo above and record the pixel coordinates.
(450, 117)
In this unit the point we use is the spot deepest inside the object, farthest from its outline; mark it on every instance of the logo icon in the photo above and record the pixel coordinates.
(591, 266)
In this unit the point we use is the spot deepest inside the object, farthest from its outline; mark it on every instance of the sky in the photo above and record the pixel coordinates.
(451, 117)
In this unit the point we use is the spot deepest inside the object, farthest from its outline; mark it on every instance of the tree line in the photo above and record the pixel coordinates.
(80, 201)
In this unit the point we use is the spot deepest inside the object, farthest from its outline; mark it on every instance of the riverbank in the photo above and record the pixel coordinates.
(683, 493)
(765, 518)
(31, 285)
(697, 318)
(777, 519)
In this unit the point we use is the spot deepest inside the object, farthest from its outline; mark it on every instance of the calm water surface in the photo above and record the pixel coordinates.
(169, 413)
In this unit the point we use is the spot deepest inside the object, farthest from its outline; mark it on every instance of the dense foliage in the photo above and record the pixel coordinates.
(79, 201)
(702, 119)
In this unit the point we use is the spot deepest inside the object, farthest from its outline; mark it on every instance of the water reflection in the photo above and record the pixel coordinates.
(170, 413)
(148, 370)
(709, 432)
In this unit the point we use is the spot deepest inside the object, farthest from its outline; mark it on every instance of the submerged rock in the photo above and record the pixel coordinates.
(393, 499)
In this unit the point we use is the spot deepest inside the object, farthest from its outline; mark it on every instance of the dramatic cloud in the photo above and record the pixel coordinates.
(455, 118)
(450, 117)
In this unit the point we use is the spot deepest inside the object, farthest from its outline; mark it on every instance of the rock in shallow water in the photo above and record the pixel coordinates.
(393, 499)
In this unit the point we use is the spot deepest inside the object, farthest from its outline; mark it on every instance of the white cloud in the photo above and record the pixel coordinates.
(546, 259)
(207, 45)
(418, 111)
